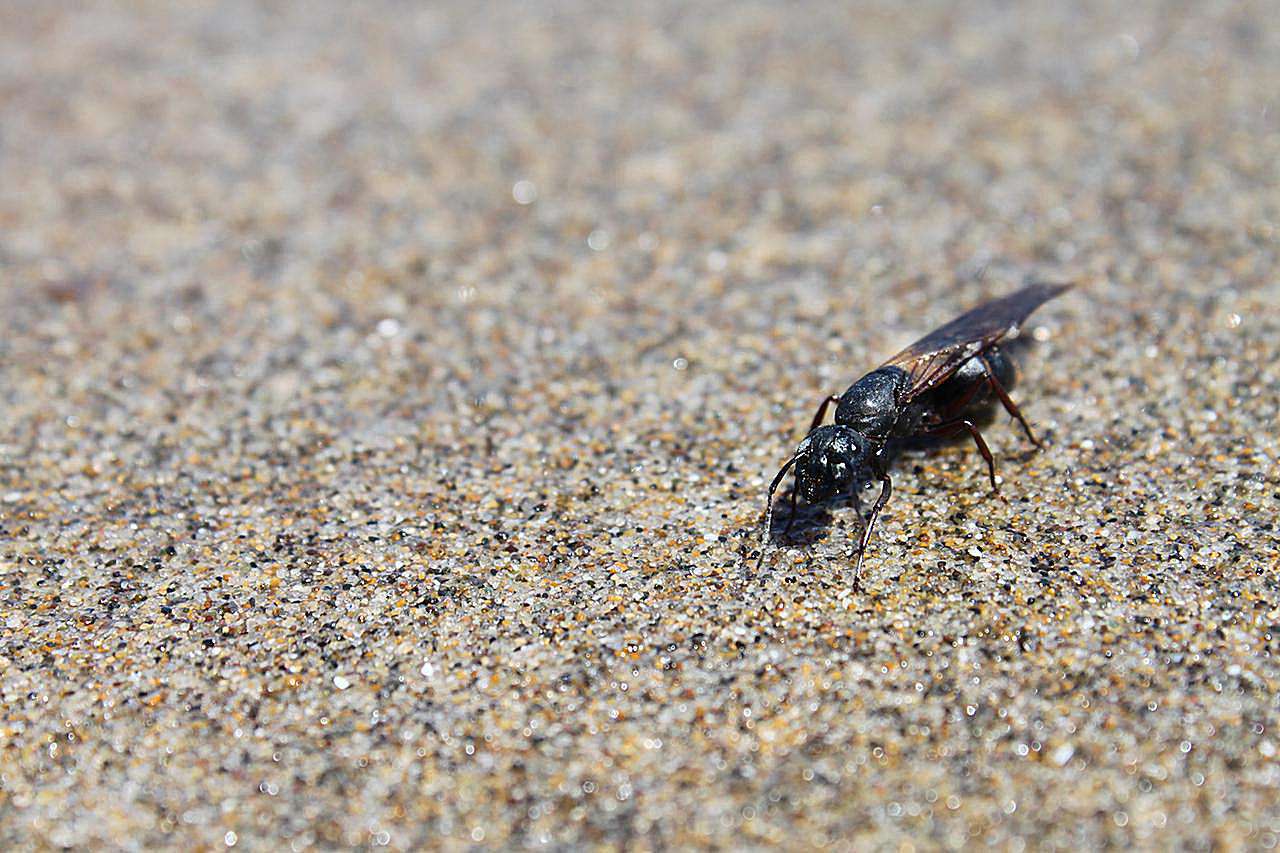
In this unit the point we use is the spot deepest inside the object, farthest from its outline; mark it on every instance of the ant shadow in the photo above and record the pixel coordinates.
(801, 524)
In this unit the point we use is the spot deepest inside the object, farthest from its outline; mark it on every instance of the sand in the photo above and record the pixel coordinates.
(390, 393)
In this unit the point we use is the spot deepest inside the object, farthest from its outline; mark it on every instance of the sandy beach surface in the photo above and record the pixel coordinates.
(389, 391)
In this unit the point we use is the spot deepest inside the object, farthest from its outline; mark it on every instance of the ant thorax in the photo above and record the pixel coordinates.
(871, 405)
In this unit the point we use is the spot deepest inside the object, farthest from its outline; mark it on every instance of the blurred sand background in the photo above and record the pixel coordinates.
(389, 392)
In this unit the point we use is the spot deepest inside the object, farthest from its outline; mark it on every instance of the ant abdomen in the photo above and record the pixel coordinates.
(970, 386)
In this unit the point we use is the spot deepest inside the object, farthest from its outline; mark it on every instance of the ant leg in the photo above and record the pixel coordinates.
(985, 451)
(885, 490)
(952, 427)
(822, 410)
(1007, 401)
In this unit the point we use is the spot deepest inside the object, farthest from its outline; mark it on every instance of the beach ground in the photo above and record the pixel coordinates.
(390, 393)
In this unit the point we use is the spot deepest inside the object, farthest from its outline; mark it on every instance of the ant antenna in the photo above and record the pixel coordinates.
(768, 511)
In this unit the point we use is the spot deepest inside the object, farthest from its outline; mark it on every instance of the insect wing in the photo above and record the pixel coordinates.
(933, 358)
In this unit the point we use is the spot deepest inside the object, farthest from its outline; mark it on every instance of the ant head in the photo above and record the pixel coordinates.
(831, 460)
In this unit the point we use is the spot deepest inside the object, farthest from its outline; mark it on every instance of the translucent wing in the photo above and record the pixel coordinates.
(933, 358)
